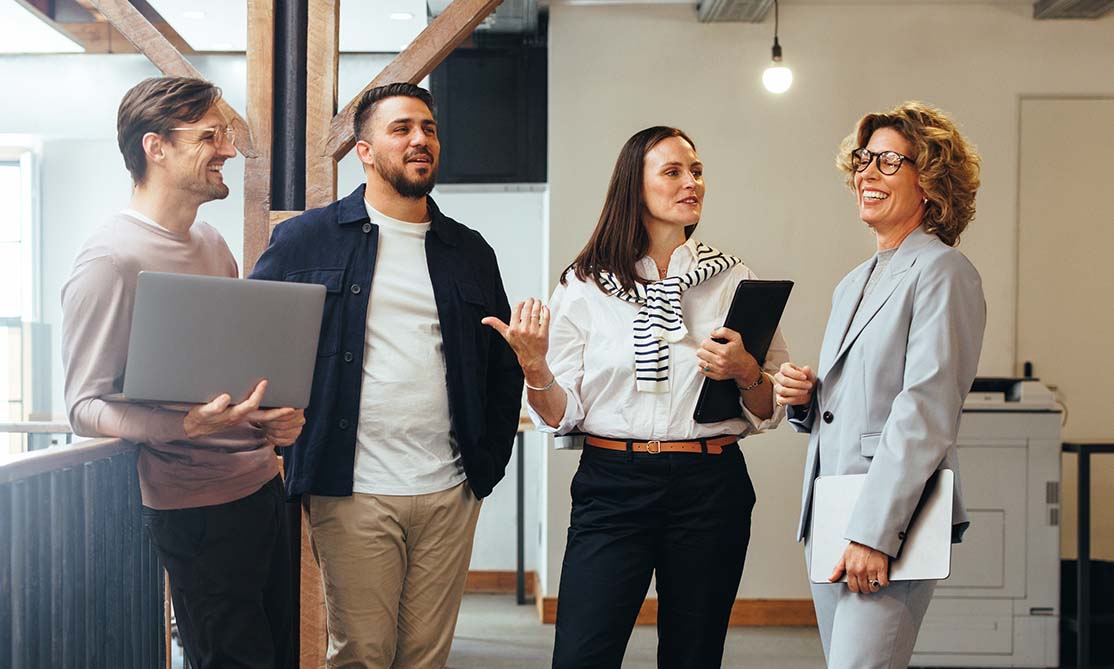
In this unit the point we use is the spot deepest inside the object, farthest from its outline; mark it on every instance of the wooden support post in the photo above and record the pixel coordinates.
(151, 43)
(257, 169)
(322, 59)
(426, 52)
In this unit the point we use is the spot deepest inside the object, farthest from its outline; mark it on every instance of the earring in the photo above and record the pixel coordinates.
(924, 200)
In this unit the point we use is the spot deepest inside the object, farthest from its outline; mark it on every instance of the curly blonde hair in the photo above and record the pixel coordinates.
(947, 164)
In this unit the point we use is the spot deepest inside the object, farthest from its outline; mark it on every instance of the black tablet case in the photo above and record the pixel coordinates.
(755, 312)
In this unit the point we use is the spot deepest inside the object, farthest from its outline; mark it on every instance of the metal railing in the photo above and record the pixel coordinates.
(80, 583)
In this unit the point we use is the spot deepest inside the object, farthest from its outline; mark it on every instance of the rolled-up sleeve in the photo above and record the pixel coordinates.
(775, 356)
(567, 336)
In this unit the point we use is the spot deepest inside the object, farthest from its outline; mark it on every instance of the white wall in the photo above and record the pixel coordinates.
(774, 196)
(70, 103)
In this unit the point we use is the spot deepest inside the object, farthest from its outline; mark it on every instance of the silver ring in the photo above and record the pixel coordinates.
(874, 583)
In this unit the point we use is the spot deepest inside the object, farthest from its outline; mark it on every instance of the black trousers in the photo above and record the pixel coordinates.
(685, 517)
(229, 568)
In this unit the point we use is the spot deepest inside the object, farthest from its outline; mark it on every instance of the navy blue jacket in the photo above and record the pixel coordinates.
(336, 246)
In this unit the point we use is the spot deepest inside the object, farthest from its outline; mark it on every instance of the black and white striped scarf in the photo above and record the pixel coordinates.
(660, 321)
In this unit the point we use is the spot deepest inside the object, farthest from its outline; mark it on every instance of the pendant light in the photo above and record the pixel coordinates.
(777, 78)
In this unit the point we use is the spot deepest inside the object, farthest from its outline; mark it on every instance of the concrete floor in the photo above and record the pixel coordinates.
(493, 633)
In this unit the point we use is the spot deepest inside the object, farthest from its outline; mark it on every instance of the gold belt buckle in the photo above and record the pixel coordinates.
(650, 446)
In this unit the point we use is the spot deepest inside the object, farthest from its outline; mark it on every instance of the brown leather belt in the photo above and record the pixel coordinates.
(711, 446)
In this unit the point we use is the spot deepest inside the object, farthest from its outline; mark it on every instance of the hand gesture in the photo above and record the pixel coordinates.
(727, 358)
(527, 333)
(868, 570)
(793, 385)
(220, 414)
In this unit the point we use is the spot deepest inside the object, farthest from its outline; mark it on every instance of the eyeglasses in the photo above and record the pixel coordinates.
(214, 134)
(889, 162)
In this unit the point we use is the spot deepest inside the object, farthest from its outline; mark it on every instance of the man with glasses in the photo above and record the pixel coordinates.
(213, 499)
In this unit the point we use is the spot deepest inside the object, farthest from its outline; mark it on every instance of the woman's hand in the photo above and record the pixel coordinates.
(867, 570)
(728, 360)
(527, 334)
(793, 385)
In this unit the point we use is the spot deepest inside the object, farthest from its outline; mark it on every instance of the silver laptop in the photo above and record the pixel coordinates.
(927, 551)
(195, 337)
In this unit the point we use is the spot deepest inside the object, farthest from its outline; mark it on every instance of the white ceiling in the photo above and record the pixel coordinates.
(21, 31)
(365, 25)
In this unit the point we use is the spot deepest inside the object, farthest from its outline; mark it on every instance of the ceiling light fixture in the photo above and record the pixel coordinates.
(401, 16)
(777, 78)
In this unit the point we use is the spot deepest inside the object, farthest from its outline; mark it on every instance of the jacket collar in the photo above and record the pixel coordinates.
(351, 209)
(853, 313)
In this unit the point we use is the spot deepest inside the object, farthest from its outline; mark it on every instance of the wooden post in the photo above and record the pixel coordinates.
(257, 169)
(322, 58)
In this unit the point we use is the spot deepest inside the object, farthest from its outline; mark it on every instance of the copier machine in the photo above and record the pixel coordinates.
(1001, 605)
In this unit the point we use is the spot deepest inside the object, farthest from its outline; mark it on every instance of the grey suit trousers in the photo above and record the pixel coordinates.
(874, 630)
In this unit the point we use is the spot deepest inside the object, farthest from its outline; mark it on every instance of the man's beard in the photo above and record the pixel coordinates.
(405, 186)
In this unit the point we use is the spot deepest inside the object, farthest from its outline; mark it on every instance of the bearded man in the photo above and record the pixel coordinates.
(415, 403)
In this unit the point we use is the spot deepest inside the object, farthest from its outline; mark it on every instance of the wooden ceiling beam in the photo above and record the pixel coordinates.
(158, 49)
(88, 5)
(101, 37)
(441, 36)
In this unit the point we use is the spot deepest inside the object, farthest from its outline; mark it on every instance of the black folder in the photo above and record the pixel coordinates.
(755, 312)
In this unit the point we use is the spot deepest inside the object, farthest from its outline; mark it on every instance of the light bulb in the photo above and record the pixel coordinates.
(777, 78)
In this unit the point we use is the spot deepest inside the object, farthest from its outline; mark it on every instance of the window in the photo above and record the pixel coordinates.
(19, 331)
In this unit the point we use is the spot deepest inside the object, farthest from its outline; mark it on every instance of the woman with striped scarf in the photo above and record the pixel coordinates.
(619, 355)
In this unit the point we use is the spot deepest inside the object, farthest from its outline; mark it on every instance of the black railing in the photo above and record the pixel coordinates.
(80, 584)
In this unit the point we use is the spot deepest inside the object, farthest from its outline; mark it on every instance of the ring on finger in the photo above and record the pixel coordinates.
(874, 583)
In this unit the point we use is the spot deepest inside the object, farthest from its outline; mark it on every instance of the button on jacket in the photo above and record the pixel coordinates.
(336, 246)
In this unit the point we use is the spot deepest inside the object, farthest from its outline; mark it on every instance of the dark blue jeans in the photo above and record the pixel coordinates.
(684, 517)
(229, 568)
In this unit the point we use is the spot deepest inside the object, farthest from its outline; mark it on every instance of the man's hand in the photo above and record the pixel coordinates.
(282, 431)
(864, 566)
(793, 385)
(220, 414)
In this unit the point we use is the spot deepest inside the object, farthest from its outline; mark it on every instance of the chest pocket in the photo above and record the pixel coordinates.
(471, 294)
(333, 280)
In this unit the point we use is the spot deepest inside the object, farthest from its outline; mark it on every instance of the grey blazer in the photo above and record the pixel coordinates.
(891, 383)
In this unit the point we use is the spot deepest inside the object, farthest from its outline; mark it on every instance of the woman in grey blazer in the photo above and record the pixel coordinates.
(898, 358)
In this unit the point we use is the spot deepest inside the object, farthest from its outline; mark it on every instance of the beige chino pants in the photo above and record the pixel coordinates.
(393, 570)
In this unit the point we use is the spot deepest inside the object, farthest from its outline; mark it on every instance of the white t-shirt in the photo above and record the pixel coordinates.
(404, 443)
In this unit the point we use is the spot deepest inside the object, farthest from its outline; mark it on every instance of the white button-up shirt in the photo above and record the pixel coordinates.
(591, 353)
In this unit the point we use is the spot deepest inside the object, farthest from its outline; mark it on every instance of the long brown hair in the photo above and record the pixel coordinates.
(620, 240)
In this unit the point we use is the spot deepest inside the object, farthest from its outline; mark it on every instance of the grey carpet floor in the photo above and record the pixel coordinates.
(493, 633)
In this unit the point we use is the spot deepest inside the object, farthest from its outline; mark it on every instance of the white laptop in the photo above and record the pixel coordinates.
(195, 337)
(927, 550)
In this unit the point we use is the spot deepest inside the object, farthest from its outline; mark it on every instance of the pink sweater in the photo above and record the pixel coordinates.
(97, 302)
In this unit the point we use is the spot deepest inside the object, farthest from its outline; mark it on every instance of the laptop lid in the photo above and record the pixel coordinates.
(927, 551)
(195, 337)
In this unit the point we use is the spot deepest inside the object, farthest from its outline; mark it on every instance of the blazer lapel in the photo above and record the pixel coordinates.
(842, 312)
(905, 257)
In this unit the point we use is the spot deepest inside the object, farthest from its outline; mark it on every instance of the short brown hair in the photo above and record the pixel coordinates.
(620, 239)
(365, 108)
(157, 105)
(947, 164)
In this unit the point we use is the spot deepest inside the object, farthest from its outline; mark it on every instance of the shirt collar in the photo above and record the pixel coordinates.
(351, 209)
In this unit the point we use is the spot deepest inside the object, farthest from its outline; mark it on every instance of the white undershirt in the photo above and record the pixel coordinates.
(404, 444)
